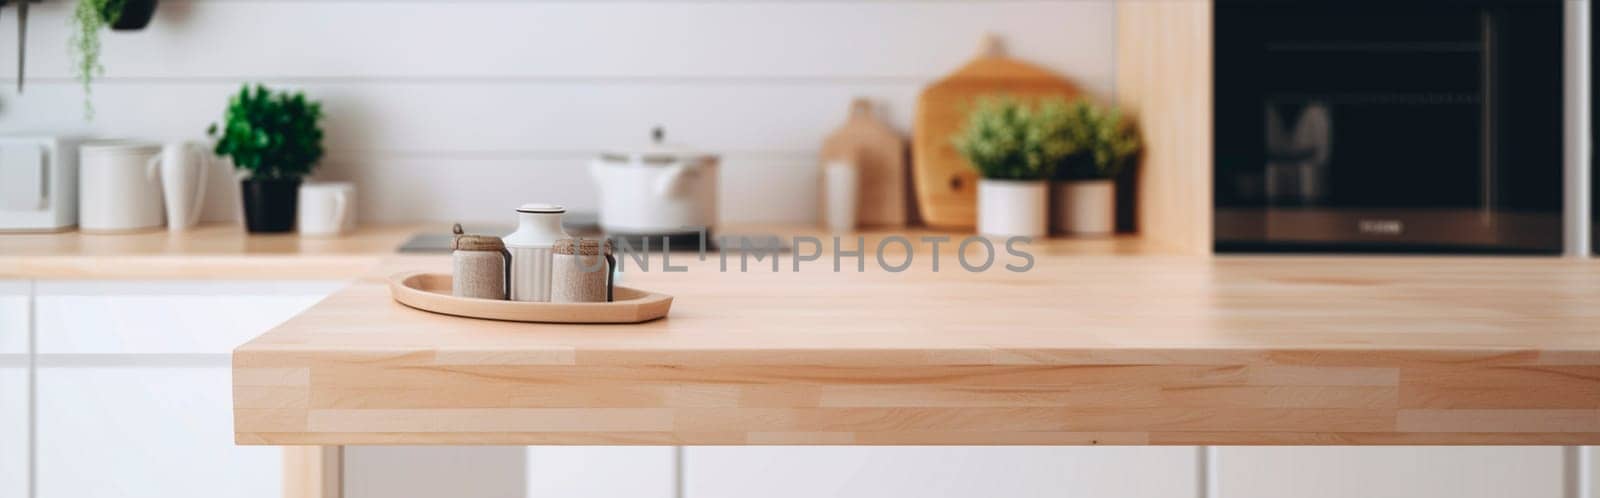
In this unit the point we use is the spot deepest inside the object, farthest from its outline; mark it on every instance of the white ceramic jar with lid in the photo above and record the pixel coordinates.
(538, 229)
(661, 189)
(119, 186)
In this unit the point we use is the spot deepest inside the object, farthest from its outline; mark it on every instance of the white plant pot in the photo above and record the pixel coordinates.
(1009, 208)
(1084, 207)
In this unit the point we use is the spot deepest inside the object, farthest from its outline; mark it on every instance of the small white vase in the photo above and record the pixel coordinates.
(183, 182)
(1084, 207)
(1009, 208)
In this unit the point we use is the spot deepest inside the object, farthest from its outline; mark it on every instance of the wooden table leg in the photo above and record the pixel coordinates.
(313, 471)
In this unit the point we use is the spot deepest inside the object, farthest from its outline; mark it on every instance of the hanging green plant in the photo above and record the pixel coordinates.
(89, 18)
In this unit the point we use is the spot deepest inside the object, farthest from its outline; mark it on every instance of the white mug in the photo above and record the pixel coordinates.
(327, 208)
(119, 186)
(183, 182)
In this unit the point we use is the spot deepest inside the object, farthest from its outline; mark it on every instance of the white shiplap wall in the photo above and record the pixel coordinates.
(460, 110)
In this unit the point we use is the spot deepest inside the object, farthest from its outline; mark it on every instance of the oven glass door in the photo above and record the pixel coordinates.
(1432, 126)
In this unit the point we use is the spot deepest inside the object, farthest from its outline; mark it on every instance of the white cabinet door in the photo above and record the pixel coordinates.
(934, 472)
(1397, 472)
(13, 317)
(601, 472)
(133, 391)
(508, 472)
(146, 432)
(178, 317)
(1590, 475)
(13, 429)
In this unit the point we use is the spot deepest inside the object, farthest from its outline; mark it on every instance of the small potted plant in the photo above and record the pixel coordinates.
(1003, 140)
(128, 15)
(1083, 197)
(276, 138)
(89, 18)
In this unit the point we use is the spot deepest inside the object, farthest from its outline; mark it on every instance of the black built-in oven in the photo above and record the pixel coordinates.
(1401, 125)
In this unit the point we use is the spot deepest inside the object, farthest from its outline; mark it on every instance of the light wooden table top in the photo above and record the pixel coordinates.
(1101, 343)
(210, 251)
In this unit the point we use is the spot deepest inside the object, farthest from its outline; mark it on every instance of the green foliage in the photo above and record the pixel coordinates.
(1102, 143)
(1003, 140)
(89, 17)
(273, 135)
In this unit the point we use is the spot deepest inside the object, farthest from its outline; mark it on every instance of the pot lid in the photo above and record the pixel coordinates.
(468, 242)
(542, 208)
(119, 145)
(659, 153)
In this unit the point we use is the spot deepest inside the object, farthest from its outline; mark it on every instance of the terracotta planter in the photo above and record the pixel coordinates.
(1084, 207)
(1008, 208)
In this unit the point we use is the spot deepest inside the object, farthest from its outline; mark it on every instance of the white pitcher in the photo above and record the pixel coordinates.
(183, 182)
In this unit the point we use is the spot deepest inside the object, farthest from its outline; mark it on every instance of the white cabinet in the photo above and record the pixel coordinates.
(133, 392)
(14, 317)
(1589, 471)
(508, 472)
(934, 472)
(1398, 472)
(14, 432)
(601, 472)
(178, 317)
(146, 432)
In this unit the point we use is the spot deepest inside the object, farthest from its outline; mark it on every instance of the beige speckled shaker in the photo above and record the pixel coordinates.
(580, 271)
(481, 266)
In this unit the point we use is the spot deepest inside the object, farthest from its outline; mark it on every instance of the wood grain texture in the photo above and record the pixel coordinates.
(1086, 348)
(212, 251)
(1164, 80)
(313, 472)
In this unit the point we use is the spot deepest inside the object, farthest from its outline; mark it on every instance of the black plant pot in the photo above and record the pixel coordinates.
(136, 15)
(269, 205)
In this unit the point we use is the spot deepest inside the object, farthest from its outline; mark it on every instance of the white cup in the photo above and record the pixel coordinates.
(842, 184)
(119, 186)
(327, 209)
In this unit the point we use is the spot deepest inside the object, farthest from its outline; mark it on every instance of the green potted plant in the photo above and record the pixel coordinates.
(1103, 145)
(1003, 139)
(89, 18)
(276, 138)
(128, 15)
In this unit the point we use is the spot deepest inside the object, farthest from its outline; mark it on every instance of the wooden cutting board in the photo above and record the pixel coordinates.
(879, 153)
(947, 188)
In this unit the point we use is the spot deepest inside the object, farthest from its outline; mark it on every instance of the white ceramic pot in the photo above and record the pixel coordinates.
(119, 186)
(1085, 207)
(660, 190)
(1009, 208)
(183, 182)
(531, 250)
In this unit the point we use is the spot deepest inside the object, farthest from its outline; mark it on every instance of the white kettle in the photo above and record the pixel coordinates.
(661, 190)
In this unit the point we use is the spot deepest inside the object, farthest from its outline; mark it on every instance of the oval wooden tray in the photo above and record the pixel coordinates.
(431, 292)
